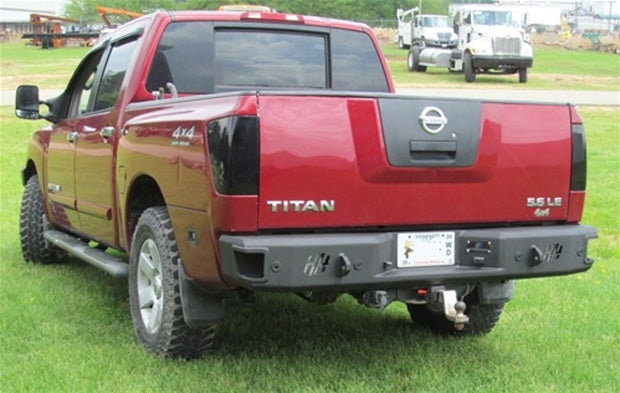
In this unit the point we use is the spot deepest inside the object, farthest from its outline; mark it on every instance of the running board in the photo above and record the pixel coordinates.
(99, 259)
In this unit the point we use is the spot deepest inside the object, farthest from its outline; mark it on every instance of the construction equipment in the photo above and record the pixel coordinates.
(48, 30)
(104, 12)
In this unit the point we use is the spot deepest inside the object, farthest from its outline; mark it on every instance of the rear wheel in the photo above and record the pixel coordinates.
(32, 226)
(154, 291)
(482, 317)
(523, 75)
(468, 68)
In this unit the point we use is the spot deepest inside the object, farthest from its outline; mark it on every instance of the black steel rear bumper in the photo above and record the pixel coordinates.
(349, 261)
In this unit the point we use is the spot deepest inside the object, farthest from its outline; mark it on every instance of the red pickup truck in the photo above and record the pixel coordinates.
(223, 153)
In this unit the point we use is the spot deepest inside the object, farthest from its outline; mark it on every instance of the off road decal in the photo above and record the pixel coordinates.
(182, 136)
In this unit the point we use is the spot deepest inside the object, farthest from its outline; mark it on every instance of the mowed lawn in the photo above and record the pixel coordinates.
(66, 328)
(554, 69)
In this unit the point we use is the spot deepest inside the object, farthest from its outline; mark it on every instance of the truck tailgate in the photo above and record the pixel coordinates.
(394, 161)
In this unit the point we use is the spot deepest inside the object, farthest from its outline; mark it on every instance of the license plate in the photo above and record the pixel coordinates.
(425, 249)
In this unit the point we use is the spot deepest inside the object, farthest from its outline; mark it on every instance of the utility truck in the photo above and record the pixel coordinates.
(489, 41)
(424, 30)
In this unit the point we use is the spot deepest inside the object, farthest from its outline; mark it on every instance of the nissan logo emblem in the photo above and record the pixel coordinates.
(433, 120)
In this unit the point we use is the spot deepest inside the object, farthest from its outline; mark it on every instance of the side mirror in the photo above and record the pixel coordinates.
(27, 102)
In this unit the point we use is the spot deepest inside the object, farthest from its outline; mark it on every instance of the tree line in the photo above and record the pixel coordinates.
(364, 10)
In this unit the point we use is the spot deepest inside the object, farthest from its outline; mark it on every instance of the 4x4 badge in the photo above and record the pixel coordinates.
(433, 120)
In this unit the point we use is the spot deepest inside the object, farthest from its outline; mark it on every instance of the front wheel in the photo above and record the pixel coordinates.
(468, 68)
(413, 60)
(154, 291)
(522, 75)
(411, 66)
(32, 226)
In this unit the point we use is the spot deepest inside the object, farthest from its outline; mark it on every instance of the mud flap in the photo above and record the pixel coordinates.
(200, 308)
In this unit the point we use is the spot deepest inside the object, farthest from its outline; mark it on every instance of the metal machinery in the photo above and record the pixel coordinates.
(104, 12)
(48, 30)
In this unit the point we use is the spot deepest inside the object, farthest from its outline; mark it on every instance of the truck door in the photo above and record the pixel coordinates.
(464, 28)
(60, 173)
(417, 29)
(96, 145)
(60, 185)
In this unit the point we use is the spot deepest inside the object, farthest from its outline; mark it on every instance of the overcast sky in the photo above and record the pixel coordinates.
(28, 6)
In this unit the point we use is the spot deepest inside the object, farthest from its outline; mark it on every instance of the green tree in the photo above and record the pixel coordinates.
(367, 10)
(347, 9)
(85, 10)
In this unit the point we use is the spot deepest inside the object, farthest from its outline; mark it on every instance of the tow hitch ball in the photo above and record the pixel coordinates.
(453, 309)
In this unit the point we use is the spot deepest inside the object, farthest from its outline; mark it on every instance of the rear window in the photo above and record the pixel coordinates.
(270, 59)
(198, 57)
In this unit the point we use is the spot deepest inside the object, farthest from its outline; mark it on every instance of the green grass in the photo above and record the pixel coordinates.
(67, 328)
(553, 69)
(52, 68)
(550, 60)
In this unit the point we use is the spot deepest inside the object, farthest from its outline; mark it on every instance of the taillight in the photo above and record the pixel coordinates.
(233, 152)
(578, 167)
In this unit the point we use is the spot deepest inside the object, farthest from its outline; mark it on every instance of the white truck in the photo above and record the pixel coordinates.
(489, 41)
(424, 30)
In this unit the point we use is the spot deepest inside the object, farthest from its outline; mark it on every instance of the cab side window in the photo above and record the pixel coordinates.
(82, 91)
(86, 92)
(183, 58)
(467, 18)
(114, 73)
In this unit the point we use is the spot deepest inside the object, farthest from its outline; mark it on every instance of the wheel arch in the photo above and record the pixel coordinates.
(31, 170)
(144, 192)
(170, 317)
(28, 171)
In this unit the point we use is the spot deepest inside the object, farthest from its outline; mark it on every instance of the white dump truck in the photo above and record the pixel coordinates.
(489, 41)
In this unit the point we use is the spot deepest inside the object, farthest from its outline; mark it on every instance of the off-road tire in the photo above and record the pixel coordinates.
(32, 225)
(468, 68)
(482, 317)
(154, 291)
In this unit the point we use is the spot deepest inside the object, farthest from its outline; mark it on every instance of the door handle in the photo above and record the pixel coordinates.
(436, 146)
(430, 152)
(106, 132)
(72, 137)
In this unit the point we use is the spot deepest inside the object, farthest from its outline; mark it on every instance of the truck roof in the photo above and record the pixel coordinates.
(256, 16)
(245, 16)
